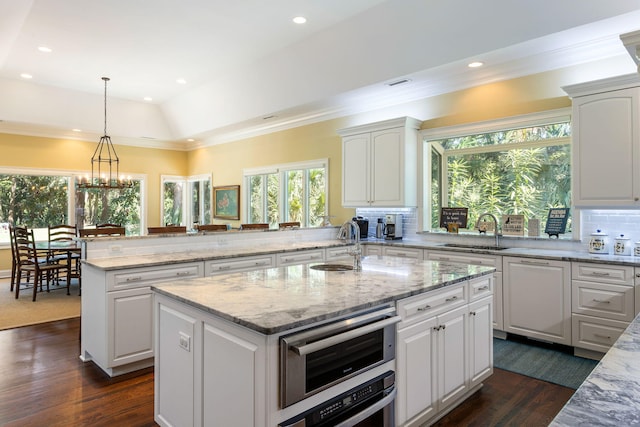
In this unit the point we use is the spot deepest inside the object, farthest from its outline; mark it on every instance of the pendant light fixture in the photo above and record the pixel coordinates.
(105, 164)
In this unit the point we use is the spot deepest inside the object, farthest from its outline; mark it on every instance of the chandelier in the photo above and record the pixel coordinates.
(105, 164)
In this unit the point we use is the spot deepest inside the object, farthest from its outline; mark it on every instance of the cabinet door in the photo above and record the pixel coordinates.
(131, 323)
(387, 160)
(356, 170)
(452, 356)
(416, 379)
(606, 149)
(480, 341)
(537, 298)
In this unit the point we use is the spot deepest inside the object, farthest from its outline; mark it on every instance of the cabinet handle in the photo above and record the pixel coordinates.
(224, 267)
(599, 273)
(472, 313)
(534, 262)
(442, 258)
(426, 307)
(453, 298)
(602, 336)
(134, 279)
(182, 273)
(482, 288)
(260, 262)
(599, 301)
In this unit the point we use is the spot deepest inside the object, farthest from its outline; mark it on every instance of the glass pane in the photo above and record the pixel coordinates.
(206, 202)
(273, 198)
(538, 133)
(317, 197)
(195, 202)
(295, 196)
(436, 187)
(172, 203)
(256, 199)
(95, 206)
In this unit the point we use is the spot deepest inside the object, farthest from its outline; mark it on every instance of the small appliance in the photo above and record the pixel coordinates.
(393, 227)
(363, 225)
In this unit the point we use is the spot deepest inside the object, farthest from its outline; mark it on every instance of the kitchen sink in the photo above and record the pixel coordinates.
(482, 247)
(332, 267)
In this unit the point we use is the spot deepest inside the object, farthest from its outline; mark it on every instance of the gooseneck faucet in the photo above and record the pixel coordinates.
(345, 233)
(496, 230)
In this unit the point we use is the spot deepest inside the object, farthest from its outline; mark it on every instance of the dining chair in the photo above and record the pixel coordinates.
(30, 261)
(167, 230)
(102, 232)
(65, 233)
(212, 227)
(259, 226)
(108, 225)
(14, 256)
(285, 225)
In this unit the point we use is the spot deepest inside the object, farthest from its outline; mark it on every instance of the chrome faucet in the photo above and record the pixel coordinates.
(345, 233)
(496, 230)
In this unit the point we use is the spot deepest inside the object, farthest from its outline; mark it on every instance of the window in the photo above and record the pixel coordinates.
(284, 193)
(39, 198)
(186, 200)
(523, 170)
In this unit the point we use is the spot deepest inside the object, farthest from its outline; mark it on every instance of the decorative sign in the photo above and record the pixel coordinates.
(557, 221)
(453, 218)
(513, 225)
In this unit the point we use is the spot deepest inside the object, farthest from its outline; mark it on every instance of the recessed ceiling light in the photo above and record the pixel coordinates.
(77, 130)
(181, 81)
(299, 19)
(44, 49)
(190, 140)
(148, 98)
(26, 76)
(475, 64)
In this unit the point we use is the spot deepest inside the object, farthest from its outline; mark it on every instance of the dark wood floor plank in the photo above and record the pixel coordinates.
(44, 383)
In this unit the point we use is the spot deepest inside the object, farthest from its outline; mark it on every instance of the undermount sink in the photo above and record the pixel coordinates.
(482, 247)
(332, 267)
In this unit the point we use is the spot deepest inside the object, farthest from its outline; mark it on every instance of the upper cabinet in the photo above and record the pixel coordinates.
(606, 142)
(380, 164)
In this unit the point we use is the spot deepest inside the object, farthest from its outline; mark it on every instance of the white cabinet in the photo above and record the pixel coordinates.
(332, 254)
(603, 303)
(606, 142)
(477, 259)
(413, 253)
(537, 298)
(379, 164)
(373, 249)
(432, 354)
(236, 264)
(480, 340)
(117, 320)
(299, 257)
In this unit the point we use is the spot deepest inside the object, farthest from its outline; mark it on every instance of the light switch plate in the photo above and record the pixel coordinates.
(185, 341)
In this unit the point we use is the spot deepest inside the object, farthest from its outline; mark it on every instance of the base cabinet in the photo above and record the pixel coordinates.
(537, 298)
(480, 341)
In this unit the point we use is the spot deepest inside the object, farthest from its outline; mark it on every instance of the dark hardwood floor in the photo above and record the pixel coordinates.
(44, 383)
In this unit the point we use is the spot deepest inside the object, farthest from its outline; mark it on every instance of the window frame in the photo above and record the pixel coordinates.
(282, 170)
(187, 212)
(503, 124)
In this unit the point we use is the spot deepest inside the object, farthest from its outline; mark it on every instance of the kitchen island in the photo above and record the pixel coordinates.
(217, 338)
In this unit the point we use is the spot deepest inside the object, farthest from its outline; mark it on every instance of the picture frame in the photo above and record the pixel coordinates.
(226, 202)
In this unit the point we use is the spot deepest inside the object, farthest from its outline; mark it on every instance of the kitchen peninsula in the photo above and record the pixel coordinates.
(217, 339)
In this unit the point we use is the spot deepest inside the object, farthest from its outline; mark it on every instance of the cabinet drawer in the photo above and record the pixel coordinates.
(603, 300)
(489, 261)
(239, 264)
(602, 273)
(302, 257)
(596, 334)
(136, 278)
(341, 252)
(481, 287)
(404, 252)
(420, 307)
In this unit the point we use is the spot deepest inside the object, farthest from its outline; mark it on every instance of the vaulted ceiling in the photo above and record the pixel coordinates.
(247, 68)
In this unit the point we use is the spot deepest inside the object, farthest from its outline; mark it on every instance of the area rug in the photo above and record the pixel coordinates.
(551, 363)
(48, 307)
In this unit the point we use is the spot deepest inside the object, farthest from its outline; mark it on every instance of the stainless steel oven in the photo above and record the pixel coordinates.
(320, 357)
(369, 405)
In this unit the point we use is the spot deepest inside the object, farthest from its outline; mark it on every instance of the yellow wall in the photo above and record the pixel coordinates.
(226, 161)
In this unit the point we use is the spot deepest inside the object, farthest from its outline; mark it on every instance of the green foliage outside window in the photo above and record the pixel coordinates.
(523, 171)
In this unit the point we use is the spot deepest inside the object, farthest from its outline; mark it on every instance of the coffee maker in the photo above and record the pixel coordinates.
(393, 226)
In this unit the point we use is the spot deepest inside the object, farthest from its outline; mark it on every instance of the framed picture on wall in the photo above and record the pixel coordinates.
(226, 202)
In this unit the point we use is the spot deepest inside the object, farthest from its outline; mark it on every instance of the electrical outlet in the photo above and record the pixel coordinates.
(185, 341)
(116, 249)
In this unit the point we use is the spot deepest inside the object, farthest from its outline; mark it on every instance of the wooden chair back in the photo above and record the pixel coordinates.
(102, 232)
(212, 227)
(14, 254)
(108, 225)
(284, 225)
(260, 226)
(169, 229)
(62, 233)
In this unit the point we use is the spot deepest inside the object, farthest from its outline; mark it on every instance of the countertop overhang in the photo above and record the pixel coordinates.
(274, 300)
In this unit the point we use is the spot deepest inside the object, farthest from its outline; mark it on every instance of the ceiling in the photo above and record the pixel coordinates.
(249, 69)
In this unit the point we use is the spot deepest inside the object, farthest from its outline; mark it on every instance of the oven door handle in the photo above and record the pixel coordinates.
(345, 336)
(361, 416)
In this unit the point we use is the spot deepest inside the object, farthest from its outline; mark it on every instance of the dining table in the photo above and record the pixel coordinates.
(71, 248)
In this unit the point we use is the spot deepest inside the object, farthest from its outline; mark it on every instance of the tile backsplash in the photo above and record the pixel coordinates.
(612, 222)
(409, 218)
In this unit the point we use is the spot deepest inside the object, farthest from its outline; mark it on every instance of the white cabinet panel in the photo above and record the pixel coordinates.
(238, 264)
(131, 335)
(299, 257)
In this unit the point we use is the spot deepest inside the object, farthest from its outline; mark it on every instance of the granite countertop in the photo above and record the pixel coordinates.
(277, 299)
(610, 396)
